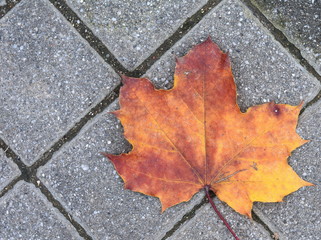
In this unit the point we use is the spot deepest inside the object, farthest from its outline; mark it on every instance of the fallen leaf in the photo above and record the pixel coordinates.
(194, 136)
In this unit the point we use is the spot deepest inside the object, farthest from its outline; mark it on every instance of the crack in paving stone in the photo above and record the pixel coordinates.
(9, 5)
(283, 40)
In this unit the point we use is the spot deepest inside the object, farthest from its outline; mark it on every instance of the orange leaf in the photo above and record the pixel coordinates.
(195, 135)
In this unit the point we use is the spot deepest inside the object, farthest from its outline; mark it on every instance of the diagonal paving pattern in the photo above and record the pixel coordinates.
(87, 184)
(26, 214)
(133, 30)
(300, 21)
(50, 78)
(263, 72)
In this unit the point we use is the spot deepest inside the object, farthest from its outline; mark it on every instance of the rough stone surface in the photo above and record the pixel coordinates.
(300, 21)
(3, 3)
(8, 170)
(263, 70)
(89, 187)
(300, 214)
(133, 30)
(26, 214)
(206, 225)
(49, 78)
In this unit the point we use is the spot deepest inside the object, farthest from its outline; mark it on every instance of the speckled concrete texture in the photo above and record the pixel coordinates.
(300, 21)
(3, 3)
(88, 185)
(133, 30)
(300, 213)
(49, 78)
(206, 225)
(8, 170)
(26, 214)
(263, 70)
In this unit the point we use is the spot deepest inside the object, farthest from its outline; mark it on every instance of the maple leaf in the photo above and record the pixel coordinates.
(195, 137)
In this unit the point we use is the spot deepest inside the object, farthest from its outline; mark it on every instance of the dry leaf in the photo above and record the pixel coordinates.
(195, 136)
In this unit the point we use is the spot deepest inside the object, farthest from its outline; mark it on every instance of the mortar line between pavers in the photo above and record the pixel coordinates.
(10, 186)
(280, 37)
(88, 35)
(73, 132)
(25, 171)
(6, 8)
(188, 24)
(106, 54)
(81, 231)
(187, 216)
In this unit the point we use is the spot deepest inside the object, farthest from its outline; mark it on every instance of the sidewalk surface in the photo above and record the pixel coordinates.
(59, 61)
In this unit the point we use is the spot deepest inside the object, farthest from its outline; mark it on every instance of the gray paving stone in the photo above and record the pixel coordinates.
(89, 187)
(8, 170)
(3, 3)
(300, 21)
(26, 214)
(49, 77)
(206, 225)
(263, 70)
(299, 216)
(133, 30)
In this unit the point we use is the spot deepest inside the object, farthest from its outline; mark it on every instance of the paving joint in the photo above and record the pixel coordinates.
(189, 23)
(82, 232)
(87, 34)
(101, 106)
(108, 57)
(288, 45)
(189, 215)
(259, 221)
(29, 173)
(25, 171)
(6, 8)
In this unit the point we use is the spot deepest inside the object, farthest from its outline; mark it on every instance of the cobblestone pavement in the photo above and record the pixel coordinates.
(59, 65)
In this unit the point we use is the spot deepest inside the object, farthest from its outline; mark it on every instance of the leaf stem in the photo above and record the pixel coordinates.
(207, 191)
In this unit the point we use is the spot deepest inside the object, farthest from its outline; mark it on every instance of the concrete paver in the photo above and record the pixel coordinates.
(300, 21)
(49, 78)
(300, 215)
(132, 30)
(263, 70)
(206, 225)
(8, 170)
(88, 186)
(26, 214)
(3, 3)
